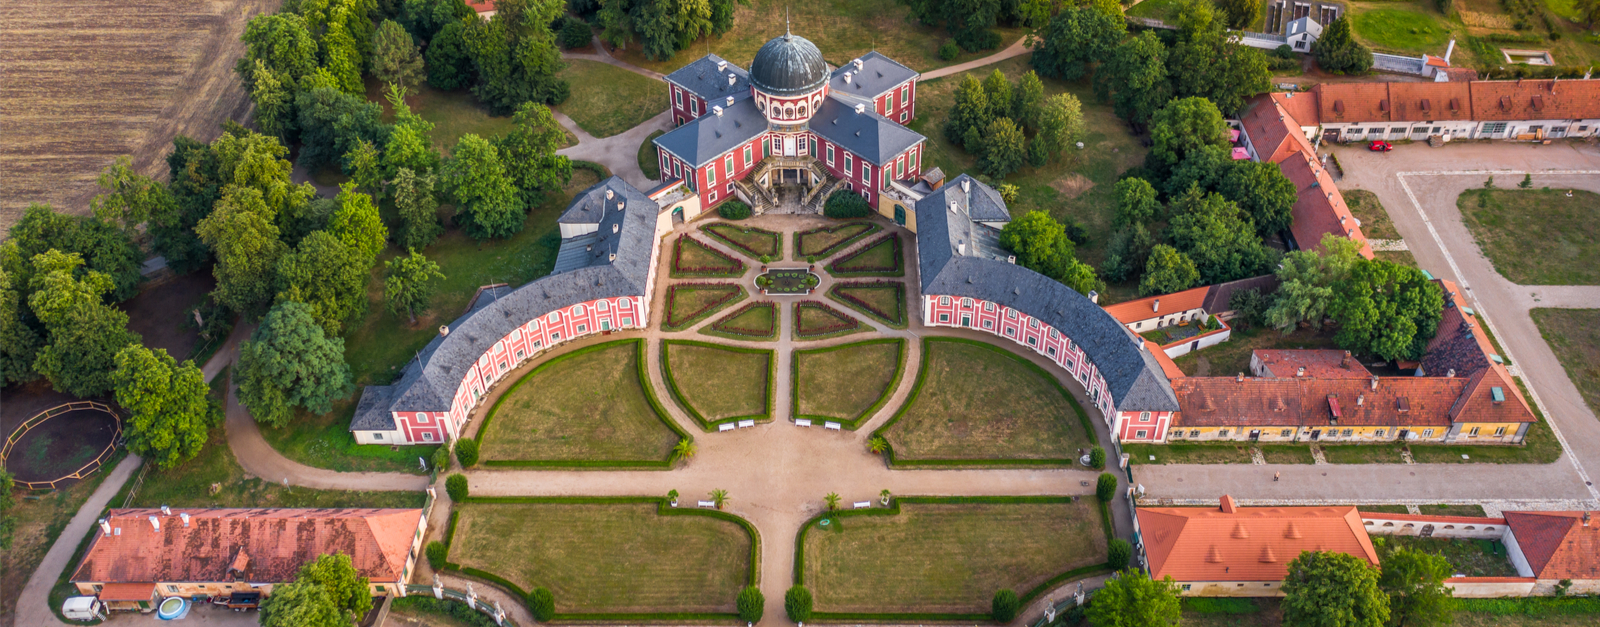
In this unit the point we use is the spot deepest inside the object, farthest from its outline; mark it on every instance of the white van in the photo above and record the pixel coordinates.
(83, 608)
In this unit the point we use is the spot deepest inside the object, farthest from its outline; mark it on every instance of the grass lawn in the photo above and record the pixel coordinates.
(884, 301)
(1077, 187)
(1402, 257)
(1452, 510)
(814, 321)
(1401, 30)
(824, 241)
(980, 402)
(1199, 453)
(715, 383)
(1537, 237)
(1233, 356)
(1574, 336)
(842, 29)
(1523, 612)
(947, 557)
(747, 239)
(1374, 453)
(1539, 446)
(844, 383)
(582, 406)
(1164, 10)
(39, 523)
(325, 442)
(453, 114)
(755, 321)
(607, 557)
(1471, 558)
(649, 157)
(690, 258)
(1375, 222)
(607, 100)
(880, 258)
(688, 303)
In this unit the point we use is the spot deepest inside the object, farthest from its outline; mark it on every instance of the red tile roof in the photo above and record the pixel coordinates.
(1249, 544)
(1460, 345)
(481, 6)
(1302, 107)
(1353, 102)
(1558, 545)
(1309, 402)
(127, 592)
(1419, 102)
(1168, 367)
(1146, 308)
(1535, 100)
(1274, 133)
(1321, 208)
(274, 543)
(1330, 364)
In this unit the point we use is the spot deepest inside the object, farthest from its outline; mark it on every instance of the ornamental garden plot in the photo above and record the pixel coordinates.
(716, 383)
(846, 383)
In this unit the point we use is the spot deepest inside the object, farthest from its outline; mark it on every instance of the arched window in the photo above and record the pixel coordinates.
(802, 109)
(788, 112)
(577, 310)
(776, 111)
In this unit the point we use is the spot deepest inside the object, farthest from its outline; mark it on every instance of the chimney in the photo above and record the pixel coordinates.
(861, 108)
(1360, 399)
(1451, 373)
(105, 527)
(1094, 297)
(1300, 372)
(615, 227)
(1228, 505)
(859, 64)
(1240, 378)
(613, 257)
(444, 330)
(966, 186)
(1345, 361)
(847, 78)
(1374, 384)
(1011, 259)
(722, 65)
(1448, 51)
(185, 517)
(166, 511)
(961, 248)
(954, 208)
(730, 99)
(732, 80)
(1156, 308)
(619, 205)
(1586, 519)
(156, 523)
(717, 109)
(610, 194)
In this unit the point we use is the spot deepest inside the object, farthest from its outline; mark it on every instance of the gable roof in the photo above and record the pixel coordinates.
(1145, 308)
(1249, 544)
(1274, 132)
(702, 78)
(710, 135)
(1320, 208)
(1353, 102)
(1309, 402)
(878, 74)
(1330, 364)
(1133, 377)
(1419, 102)
(1535, 100)
(867, 134)
(1558, 545)
(259, 545)
(1220, 296)
(1461, 345)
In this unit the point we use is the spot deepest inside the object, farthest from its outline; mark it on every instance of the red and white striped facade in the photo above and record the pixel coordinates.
(518, 346)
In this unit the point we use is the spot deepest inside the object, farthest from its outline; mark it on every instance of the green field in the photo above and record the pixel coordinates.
(755, 321)
(1574, 336)
(688, 303)
(326, 442)
(746, 239)
(1375, 222)
(453, 114)
(607, 557)
(879, 258)
(817, 321)
(1400, 30)
(1537, 237)
(715, 383)
(649, 157)
(842, 383)
(884, 301)
(947, 557)
(607, 100)
(979, 402)
(824, 241)
(589, 405)
(691, 258)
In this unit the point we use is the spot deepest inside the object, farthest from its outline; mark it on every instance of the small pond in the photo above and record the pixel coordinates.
(787, 281)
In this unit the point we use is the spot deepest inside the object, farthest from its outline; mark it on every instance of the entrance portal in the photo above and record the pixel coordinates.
(788, 147)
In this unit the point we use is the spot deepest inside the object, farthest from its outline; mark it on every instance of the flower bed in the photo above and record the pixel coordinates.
(753, 321)
(687, 303)
(690, 258)
(787, 281)
(746, 239)
(885, 301)
(823, 241)
(814, 319)
(882, 257)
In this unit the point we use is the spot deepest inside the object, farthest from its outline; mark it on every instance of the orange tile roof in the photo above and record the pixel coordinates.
(275, 543)
(1558, 545)
(1249, 544)
(1321, 208)
(1309, 402)
(1318, 363)
(1353, 102)
(1418, 102)
(1274, 133)
(1535, 100)
(1168, 367)
(127, 592)
(1462, 345)
(1302, 106)
(1145, 308)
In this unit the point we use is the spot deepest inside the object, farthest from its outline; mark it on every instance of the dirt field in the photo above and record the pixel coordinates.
(60, 445)
(158, 313)
(84, 81)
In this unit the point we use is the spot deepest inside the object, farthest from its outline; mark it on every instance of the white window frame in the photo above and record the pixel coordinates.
(427, 436)
(830, 154)
(749, 152)
(677, 92)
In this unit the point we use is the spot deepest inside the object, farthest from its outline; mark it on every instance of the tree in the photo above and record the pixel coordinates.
(83, 335)
(998, 89)
(356, 223)
(1241, 14)
(1167, 271)
(970, 111)
(195, 185)
(410, 145)
(1338, 51)
(366, 168)
(419, 210)
(342, 50)
(395, 59)
(486, 197)
(1003, 609)
(832, 501)
(515, 55)
(752, 604)
(102, 244)
(684, 450)
(877, 445)
(1331, 589)
(289, 362)
(1136, 202)
(1075, 38)
(845, 204)
(1134, 78)
(1027, 100)
(1414, 581)
(1128, 253)
(448, 63)
(282, 42)
(719, 496)
(467, 452)
(1208, 61)
(273, 95)
(329, 277)
(797, 603)
(1306, 281)
(1117, 554)
(336, 574)
(8, 520)
(409, 287)
(1060, 124)
(1588, 12)
(1214, 233)
(332, 123)
(169, 412)
(529, 153)
(19, 343)
(1097, 457)
(1386, 309)
(300, 604)
(1133, 599)
(456, 487)
(1263, 192)
(1185, 126)
(130, 198)
(1005, 148)
(1042, 245)
(542, 604)
(1105, 487)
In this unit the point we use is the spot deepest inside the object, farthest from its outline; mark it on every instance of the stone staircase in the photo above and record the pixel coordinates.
(818, 195)
(760, 200)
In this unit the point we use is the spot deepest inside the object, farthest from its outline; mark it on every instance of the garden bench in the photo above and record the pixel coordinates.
(802, 422)
(746, 423)
(863, 504)
(708, 503)
(831, 425)
(726, 426)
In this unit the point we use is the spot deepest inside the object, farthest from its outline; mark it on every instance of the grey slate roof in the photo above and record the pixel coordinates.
(704, 79)
(710, 135)
(789, 65)
(877, 74)
(1133, 377)
(867, 134)
(429, 382)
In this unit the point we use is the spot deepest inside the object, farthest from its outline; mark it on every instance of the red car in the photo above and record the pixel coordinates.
(1380, 146)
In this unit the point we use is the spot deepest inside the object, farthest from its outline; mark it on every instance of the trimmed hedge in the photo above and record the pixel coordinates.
(752, 604)
(722, 329)
(734, 210)
(797, 603)
(669, 323)
(1105, 487)
(598, 170)
(862, 306)
(734, 268)
(916, 390)
(467, 452)
(437, 554)
(898, 269)
(894, 510)
(650, 396)
(800, 237)
(712, 230)
(849, 423)
(677, 395)
(456, 487)
(452, 609)
(845, 204)
(851, 325)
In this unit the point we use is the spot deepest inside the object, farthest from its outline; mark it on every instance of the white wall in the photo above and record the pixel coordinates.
(1403, 525)
(1205, 342)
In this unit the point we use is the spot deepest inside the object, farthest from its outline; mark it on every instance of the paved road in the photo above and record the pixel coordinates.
(33, 607)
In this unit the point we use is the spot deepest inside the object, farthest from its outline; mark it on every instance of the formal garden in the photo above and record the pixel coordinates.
(688, 303)
(715, 383)
(846, 383)
(691, 258)
(824, 241)
(884, 301)
(757, 243)
(815, 320)
(879, 257)
(754, 321)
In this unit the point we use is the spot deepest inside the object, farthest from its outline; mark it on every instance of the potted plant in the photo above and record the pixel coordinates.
(672, 495)
(832, 499)
(719, 497)
(883, 497)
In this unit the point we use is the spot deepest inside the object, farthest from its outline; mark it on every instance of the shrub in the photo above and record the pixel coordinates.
(1527, 181)
(542, 604)
(751, 604)
(1097, 457)
(1118, 553)
(734, 210)
(949, 51)
(467, 452)
(1283, 52)
(575, 34)
(844, 204)
(1005, 606)
(1105, 488)
(437, 554)
(456, 487)
(426, 604)
(797, 604)
(440, 458)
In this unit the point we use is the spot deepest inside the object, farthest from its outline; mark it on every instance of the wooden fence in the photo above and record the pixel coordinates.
(84, 471)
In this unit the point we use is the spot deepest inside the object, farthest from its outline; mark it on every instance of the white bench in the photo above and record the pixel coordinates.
(746, 423)
(802, 422)
(831, 425)
(726, 426)
(863, 504)
(708, 503)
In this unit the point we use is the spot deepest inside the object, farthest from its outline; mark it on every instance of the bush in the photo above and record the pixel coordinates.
(1283, 52)
(1005, 606)
(1105, 488)
(426, 604)
(575, 34)
(542, 604)
(456, 487)
(1097, 457)
(949, 51)
(467, 452)
(797, 604)
(440, 458)
(437, 554)
(734, 210)
(751, 604)
(1118, 554)
(844, 204)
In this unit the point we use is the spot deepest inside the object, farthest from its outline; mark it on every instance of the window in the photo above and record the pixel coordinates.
(1286, 433)
(713, 197)
(1300, 45)
(602, 306)
(605, 325)
(1380, 432)
(1427, 433)
(1144, 416)
(693, 107)
(1354, 131)
(730, 187)
(1033, 341)
(1194, 433)
(486, 379)
(847, 166)
(1140, 434)
(1051, 350)
(902, 117)
(521, 353)
(830, 154)
(711, 174)
(899, 167)
(1011, 331)
(577, 310)
(988, 306)
(866, 173)
(1473, 432)
(627, 321)
(1011, 313)
(749, 154)
(1500, 431)
(583, 328)
(171, 588)
(1494, 128)
(1348, 432)
(905, 94)
(554, 316)
(1398, 130)
(1054, 335)
(1185, 587)
(727, 166)
(377, 436)
(554, 337)
(427, 436)
(988, 324)
(966, 303)
(1222, 433)
(944, 317)
(1033, 323)
(944, 301)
